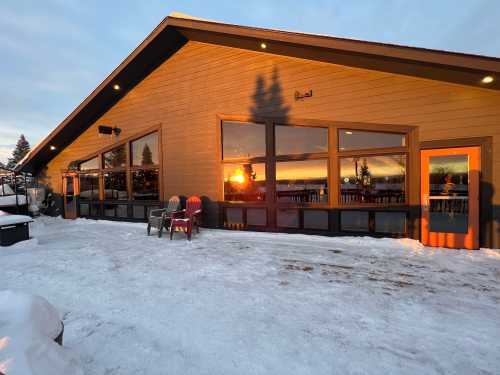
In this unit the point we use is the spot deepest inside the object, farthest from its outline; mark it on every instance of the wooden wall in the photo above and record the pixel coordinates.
(188, 91)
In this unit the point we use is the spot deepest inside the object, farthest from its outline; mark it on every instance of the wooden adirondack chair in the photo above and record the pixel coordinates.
(161, 218)
(188, 218)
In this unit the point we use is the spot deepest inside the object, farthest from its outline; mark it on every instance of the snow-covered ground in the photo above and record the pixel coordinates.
(260, 303)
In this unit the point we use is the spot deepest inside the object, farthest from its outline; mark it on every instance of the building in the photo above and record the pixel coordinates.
(286, 131)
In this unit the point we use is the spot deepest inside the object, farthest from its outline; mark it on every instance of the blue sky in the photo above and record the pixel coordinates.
(55, 52)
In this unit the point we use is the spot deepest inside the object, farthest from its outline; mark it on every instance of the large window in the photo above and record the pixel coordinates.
(145, 184)
(292, 140)
(89, 164)
(242, 140)
(304, 181)
(244, 181)
(115, 185)
(372, 168)
(145, 151)
(110, 169)
(116, 158)
(145, 171)
(373, 179)
(365, 140)
(291, 168)
(89, 186)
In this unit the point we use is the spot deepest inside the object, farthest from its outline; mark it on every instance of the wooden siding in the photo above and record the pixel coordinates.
(186, 93)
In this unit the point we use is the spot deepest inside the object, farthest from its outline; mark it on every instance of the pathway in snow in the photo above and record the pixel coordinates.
(261, 303)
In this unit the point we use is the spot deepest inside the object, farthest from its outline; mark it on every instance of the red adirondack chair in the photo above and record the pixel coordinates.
(187, 218)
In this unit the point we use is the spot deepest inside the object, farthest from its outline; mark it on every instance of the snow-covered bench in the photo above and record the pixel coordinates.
(13, 228)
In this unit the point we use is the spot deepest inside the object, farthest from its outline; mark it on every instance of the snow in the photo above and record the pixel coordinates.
(5, 189)
(28, 327)
(10, 200)
(233, 302)
(14, 219)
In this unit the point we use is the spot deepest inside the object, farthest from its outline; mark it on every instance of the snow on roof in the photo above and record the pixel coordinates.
(185, 16)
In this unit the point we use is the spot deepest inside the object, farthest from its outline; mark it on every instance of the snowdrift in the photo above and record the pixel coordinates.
(28, 327)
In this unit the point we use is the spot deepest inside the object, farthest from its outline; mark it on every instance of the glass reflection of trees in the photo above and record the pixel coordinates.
(245, 182)
(116, 158)
(115, 185)
(89, 186)
(145, 150)
(145, 184)
(373, 179)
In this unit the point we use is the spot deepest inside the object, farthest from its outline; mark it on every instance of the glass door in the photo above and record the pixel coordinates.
(450, 197)
(70, 187)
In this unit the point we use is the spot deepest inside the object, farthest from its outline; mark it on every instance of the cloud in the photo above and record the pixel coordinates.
(6, 152)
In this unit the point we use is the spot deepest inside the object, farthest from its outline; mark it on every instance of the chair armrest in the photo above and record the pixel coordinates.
(178, 214)
(196, 214)
(158, 212)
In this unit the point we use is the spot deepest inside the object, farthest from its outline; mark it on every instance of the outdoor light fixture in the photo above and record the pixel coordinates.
(52, 148)
(263, 45)
(109, 130)
(487, 79)
(116, 87)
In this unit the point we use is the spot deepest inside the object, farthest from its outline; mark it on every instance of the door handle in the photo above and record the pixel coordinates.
(425, 204)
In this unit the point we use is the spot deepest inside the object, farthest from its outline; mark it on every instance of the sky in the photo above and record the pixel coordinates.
(55, 52)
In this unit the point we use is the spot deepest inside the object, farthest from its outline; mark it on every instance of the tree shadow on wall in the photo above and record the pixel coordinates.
(268, 100)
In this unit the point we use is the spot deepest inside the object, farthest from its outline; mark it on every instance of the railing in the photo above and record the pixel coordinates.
(16, 185)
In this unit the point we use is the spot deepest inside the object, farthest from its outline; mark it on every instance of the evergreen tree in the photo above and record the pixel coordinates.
(22, 148)
(147, 155)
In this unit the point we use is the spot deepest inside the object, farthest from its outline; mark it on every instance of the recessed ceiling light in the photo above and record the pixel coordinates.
(116, 87)
(52, 148)
(263, 45)
(487, 79)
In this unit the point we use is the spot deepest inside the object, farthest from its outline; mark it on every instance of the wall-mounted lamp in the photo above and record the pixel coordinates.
(116, 87)
(109, 130)
(52, 148)
(263, 45)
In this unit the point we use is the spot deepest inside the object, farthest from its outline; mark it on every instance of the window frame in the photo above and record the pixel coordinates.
(128, 169)
(334, 206)
(253, 160)
(373, 149)
(372, 205)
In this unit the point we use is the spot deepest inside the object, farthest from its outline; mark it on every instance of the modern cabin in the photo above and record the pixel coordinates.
(285, 131)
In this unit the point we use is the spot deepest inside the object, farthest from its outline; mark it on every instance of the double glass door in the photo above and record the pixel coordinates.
(450, 197)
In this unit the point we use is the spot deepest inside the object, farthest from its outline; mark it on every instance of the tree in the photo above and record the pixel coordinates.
(116, 158)
(22, 148)
(147, 155)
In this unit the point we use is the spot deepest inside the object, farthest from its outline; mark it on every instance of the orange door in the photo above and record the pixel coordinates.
(450, 197)
(70, 191)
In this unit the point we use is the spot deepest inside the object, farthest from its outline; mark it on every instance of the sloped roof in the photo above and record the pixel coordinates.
(176, 29)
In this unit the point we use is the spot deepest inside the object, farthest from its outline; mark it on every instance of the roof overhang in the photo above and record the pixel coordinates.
(174, 31)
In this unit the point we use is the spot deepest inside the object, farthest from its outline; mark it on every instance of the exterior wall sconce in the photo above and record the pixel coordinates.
(109, 130)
